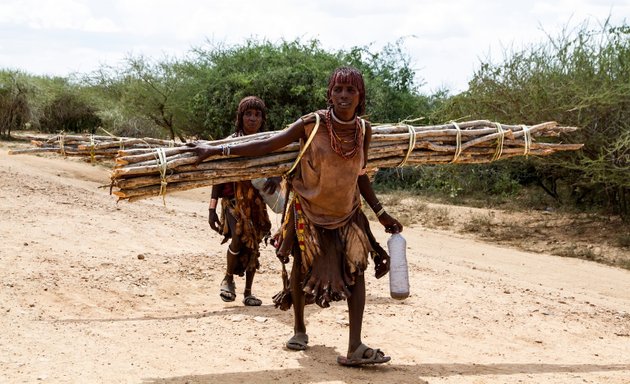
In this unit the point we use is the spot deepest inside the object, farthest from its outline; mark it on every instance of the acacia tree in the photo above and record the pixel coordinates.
(145, 89)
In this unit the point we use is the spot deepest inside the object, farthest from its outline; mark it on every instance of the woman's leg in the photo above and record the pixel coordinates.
(227, 285)
(358, 353)
(299, 340)
(249, 299)
(235, 245)
(356, 306)
(249, 281)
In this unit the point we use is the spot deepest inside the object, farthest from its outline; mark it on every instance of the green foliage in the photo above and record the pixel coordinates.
(69, 113)
(451, 182)
(198, 96)
(146, 94)
(290, 77)
(391, 88)
(581, 78)
(15, 110)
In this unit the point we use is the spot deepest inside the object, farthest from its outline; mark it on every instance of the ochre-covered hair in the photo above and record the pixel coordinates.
(352, 76)
(250, 102)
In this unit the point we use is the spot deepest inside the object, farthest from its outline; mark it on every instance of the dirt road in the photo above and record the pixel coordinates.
(95, 291)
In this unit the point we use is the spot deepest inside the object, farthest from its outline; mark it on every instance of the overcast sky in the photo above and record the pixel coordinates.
(445, 39)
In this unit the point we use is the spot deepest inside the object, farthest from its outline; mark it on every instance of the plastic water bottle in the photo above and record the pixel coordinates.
(275, 200)
(398, 273)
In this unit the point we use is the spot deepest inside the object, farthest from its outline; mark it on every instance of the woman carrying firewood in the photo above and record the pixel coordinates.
(324, 227)
(244, 214)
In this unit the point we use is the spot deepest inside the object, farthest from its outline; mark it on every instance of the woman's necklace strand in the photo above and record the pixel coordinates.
(335, 141)
(351, 121)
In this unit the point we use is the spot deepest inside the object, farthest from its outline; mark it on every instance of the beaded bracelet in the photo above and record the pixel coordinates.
(380, 212)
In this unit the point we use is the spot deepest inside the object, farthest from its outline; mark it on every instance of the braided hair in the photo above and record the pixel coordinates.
(250, 102)
(352, 76)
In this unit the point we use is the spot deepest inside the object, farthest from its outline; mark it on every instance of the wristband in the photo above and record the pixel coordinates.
(380, 213)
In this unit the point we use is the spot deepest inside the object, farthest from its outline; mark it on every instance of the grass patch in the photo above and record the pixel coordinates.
(623, 241)
(406, 210)
(480, 224)
(438, 217)
(575, 251)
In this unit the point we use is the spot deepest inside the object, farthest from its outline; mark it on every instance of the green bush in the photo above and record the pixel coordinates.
(581, 78)
(68, 113)
(15, 109)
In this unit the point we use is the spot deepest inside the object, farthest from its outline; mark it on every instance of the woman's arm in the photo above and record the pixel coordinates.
(254, 148)
(214, 195)
(366, 142)
(213, 219)
(365, 187)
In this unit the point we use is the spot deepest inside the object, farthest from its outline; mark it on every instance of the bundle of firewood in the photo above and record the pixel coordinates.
(144, 173)
(92, 147)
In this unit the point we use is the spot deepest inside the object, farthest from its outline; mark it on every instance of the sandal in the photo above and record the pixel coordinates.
(298, 342)
(358, 357)
(252, 301)
(228, 291)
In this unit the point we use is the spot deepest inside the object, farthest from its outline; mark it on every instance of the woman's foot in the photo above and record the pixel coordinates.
(298, 342)
(252, 301)
(228, 290)
(363, 355)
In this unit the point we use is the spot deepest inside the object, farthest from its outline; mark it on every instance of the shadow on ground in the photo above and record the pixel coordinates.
(318, 365)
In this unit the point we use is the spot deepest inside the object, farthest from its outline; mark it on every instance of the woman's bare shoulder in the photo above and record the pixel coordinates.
(309, 118)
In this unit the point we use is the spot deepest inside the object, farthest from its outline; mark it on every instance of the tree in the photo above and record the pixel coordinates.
(15, 110)
(292, 78)
(581, 78)
(393, 93)
(69, 113)
(145, 89)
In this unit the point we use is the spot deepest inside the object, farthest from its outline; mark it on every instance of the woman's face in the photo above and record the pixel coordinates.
(345, 100)
(252, 121)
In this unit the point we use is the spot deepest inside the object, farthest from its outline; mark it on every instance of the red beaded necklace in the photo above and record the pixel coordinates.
(336, 141)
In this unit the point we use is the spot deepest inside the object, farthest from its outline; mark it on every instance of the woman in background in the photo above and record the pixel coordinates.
(245, 221)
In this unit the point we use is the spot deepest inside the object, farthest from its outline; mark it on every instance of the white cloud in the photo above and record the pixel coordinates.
(58, 14)
(445, 39)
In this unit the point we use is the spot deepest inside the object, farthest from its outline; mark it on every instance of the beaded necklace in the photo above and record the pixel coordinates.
(334, 117)
(336, 141)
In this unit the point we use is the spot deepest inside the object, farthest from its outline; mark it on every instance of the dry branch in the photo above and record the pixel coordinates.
(92, 146)
(146, 172)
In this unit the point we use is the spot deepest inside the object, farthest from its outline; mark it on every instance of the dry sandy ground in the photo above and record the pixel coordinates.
(95, 291)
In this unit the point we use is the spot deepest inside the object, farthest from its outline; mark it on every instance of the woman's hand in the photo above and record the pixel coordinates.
(282, 253)
(213, 220)
(381, 264)
(203, 151)
(391, 225)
